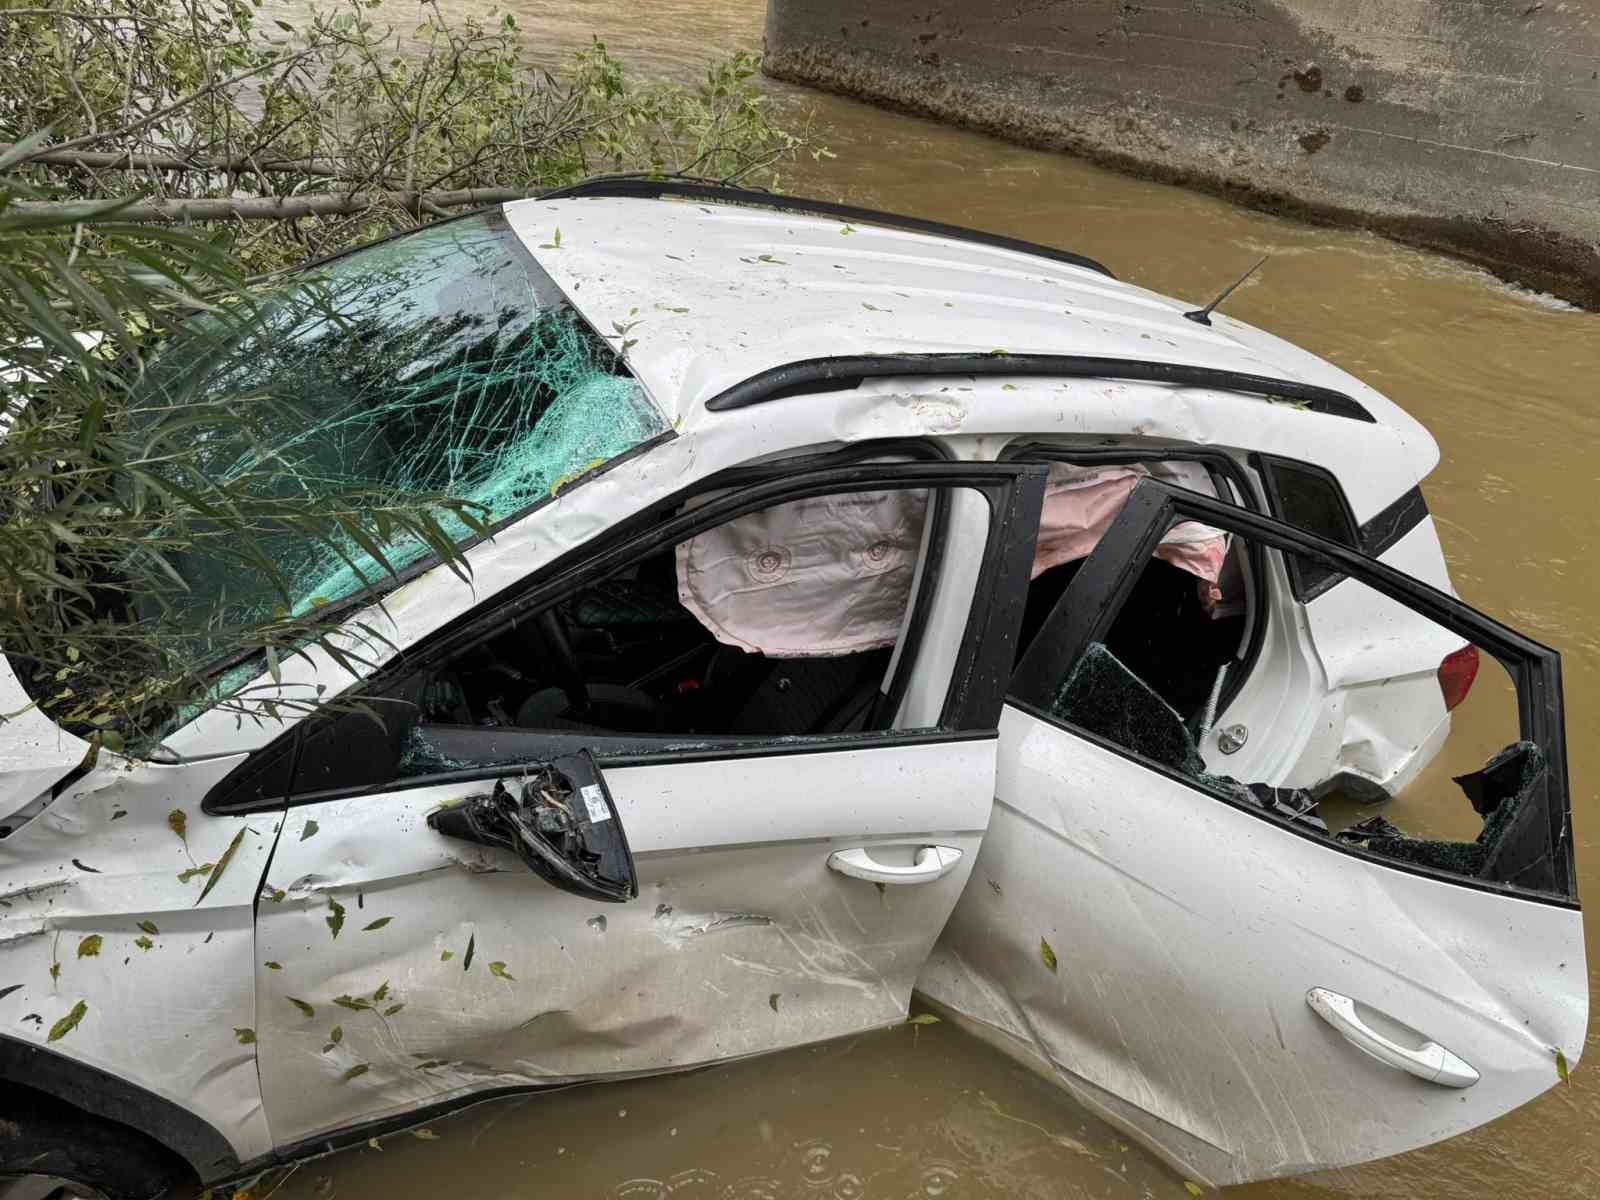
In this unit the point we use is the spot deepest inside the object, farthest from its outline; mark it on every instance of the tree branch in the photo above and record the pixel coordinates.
(284, 208)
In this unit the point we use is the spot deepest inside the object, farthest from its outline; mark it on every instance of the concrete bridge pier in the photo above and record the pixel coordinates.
(1469, 126)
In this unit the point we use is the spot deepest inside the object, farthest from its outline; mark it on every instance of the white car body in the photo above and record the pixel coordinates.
(1188, 932)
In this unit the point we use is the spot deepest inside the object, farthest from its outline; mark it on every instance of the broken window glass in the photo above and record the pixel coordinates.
(443, 362)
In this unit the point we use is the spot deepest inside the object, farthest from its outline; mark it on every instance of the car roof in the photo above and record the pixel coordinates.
(707, 289)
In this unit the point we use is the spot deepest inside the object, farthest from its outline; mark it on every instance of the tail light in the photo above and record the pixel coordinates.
(1456, 674)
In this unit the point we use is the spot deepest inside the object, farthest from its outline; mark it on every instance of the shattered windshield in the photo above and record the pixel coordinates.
(442, 362)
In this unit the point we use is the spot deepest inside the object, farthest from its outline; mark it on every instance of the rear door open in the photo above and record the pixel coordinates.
(1261, 979)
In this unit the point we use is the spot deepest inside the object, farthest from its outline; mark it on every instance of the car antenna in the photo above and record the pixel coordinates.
(1202, 316)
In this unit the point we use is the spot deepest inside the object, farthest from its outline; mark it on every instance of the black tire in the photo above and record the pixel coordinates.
(41, 1136)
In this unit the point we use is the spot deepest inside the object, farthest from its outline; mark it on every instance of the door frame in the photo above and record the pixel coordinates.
(973, 701)
(1089, 605)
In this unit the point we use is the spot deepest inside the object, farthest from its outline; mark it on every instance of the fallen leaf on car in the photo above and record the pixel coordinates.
(178, 822)
(773, 1001)
(378, 924)
(335, 917)
(68, 1023)
(425, 1135)
(310, 830)
(354, 1072)
(144, 943)
(305, 1008)
(90, 946)
(222, 864)
(1047, 955)
(498, 969)
(923, 1019)
(247, 1037)
(149, 927)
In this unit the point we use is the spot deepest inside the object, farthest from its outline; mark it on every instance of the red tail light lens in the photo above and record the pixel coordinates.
(1456, 674)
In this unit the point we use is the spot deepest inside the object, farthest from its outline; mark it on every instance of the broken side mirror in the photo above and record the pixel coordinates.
(558, 817)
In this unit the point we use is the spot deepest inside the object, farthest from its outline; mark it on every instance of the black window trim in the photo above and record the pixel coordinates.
(1267, 466)
(1110, 572)
(976, 691)
(1400, 517)
(1218, 462)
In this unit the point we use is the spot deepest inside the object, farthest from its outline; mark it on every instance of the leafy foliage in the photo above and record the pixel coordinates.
(215, 105)
(339, 130)
(100, 493)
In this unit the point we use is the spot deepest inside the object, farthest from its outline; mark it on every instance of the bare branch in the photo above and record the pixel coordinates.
(284, 208)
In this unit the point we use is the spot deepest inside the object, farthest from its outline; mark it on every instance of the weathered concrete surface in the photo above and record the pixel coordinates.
(1471, 126)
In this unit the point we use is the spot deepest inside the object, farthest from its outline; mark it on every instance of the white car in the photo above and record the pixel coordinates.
(872, 605)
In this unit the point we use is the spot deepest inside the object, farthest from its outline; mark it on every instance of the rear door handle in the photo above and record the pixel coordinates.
(930, 863)
(1431, 1062)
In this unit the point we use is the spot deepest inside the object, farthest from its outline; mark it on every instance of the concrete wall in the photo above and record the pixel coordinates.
(1471, 126)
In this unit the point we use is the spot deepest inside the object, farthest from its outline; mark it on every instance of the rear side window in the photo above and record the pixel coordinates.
(1309, 498)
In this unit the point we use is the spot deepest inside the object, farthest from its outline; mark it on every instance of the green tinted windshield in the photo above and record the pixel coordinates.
(445, 361)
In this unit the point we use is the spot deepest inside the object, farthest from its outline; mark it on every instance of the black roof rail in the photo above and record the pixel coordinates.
(644, 187)
(847, 371)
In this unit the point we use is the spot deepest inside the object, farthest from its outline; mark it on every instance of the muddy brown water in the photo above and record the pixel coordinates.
(1506, 382)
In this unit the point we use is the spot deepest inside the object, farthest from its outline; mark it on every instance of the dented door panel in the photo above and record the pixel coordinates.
(125, 930)
(403, 968)
(1185, 934)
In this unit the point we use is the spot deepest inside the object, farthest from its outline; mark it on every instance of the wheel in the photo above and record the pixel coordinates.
(52, 1151)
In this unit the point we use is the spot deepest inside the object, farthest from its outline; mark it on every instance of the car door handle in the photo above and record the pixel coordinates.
(930, 863)
(1432, 1062)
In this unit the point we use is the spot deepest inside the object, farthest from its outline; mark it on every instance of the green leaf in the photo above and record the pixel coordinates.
(383, 990)
(305, 1009)
(425, 1135)
(1193, 1188)
(336, 1034)
(273, 966)
(446, 955)
(1562, 1072)
(773, 1001)
(149, 927)
(309, 831)
(392, 1009)
(178, 822)
(923, 1019)
(354, 1072)
(222, 864)
(202, 869)
(335, 918)
(68, 1023)
(1047, 955)
(353, 1003)
(247, 1037)
(498, 970)
(378, 924)
(472, 942)
(55, 972)
(90, 946)
(143, 943)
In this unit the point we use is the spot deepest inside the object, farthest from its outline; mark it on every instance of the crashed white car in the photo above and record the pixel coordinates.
(872, 606)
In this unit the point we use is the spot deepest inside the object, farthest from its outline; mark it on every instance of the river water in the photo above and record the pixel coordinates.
(1506, 382)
